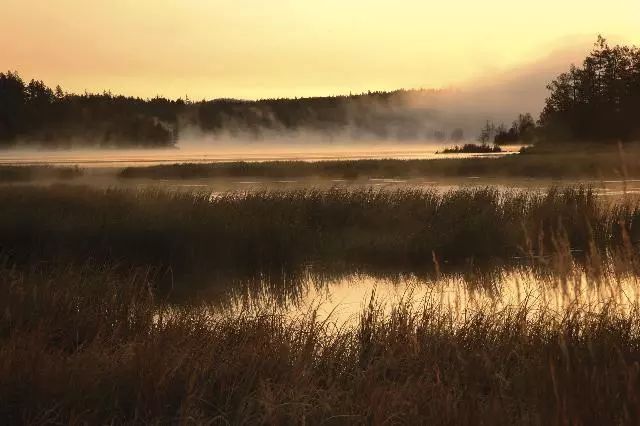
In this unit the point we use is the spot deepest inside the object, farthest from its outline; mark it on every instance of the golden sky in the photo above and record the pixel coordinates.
(265, 48)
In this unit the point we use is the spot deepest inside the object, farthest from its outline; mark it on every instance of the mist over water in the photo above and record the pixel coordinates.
(414, 124)
(204, 151)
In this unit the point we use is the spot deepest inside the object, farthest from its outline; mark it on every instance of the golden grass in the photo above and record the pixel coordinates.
(93, 346)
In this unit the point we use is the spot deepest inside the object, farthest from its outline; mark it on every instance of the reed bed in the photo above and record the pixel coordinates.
(88, 337)
(26, 173)
(266, 230)
(94, 346)
(582, 164)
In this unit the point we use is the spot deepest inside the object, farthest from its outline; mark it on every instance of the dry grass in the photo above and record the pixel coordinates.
(196, 239)
(576, 164)
(365, 226)
(92, 346)
(10, 174)
(100, 345)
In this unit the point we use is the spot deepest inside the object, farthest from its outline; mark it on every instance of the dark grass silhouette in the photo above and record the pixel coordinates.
(92, 346)
(195, 234)
(31, 173)
(86, 335)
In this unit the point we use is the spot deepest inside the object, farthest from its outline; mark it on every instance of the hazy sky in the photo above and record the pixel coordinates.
(264, 48)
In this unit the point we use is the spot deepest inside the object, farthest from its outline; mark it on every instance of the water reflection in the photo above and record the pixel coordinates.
(105, 179)
(341, 298)
(221, 152)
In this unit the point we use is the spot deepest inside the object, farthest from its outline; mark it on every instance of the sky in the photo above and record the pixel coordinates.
(286, 48)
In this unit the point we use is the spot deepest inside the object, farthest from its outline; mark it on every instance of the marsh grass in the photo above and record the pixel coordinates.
(92, 342)
(10, 174)
(563, 164)
(195, 235)
(92, 345)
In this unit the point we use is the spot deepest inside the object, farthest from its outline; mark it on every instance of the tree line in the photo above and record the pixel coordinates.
(34, 113)
(597, 102)
(522, 130)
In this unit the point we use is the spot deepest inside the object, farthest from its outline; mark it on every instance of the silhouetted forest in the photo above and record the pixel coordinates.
(597, 102)
(374, 114)
(34, 113)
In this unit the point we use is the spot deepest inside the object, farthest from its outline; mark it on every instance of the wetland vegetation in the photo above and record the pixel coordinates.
(592, 163)
(31, 173)
(94, 345)
(263, 230)
(471, 148)
(127, 306)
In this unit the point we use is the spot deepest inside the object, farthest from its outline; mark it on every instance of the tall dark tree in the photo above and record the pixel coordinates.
(597, 102)
(12, 103)
(488, 132)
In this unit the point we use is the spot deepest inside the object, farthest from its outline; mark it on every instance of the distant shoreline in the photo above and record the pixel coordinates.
(565, 164)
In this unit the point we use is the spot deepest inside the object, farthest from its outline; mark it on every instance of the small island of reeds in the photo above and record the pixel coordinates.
(472, 148)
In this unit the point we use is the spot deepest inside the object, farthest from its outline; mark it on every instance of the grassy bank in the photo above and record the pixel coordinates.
(266, 231)
(89, 346)
(30, 173)
(577, 164)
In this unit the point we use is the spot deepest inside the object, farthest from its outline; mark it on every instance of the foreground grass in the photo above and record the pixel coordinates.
(587, 164)
(90, 346)
(193, 233)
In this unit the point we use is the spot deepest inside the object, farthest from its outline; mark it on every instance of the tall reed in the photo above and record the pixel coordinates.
(262, 231)
(87, 345)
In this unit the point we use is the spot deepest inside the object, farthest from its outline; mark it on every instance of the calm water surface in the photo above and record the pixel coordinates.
(342, 299)
(101, 167)
(233, 152)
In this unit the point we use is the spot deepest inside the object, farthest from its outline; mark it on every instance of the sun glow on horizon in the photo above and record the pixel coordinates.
(255, 49)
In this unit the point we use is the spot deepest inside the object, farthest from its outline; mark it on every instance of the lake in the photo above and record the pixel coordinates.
(344, 295)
